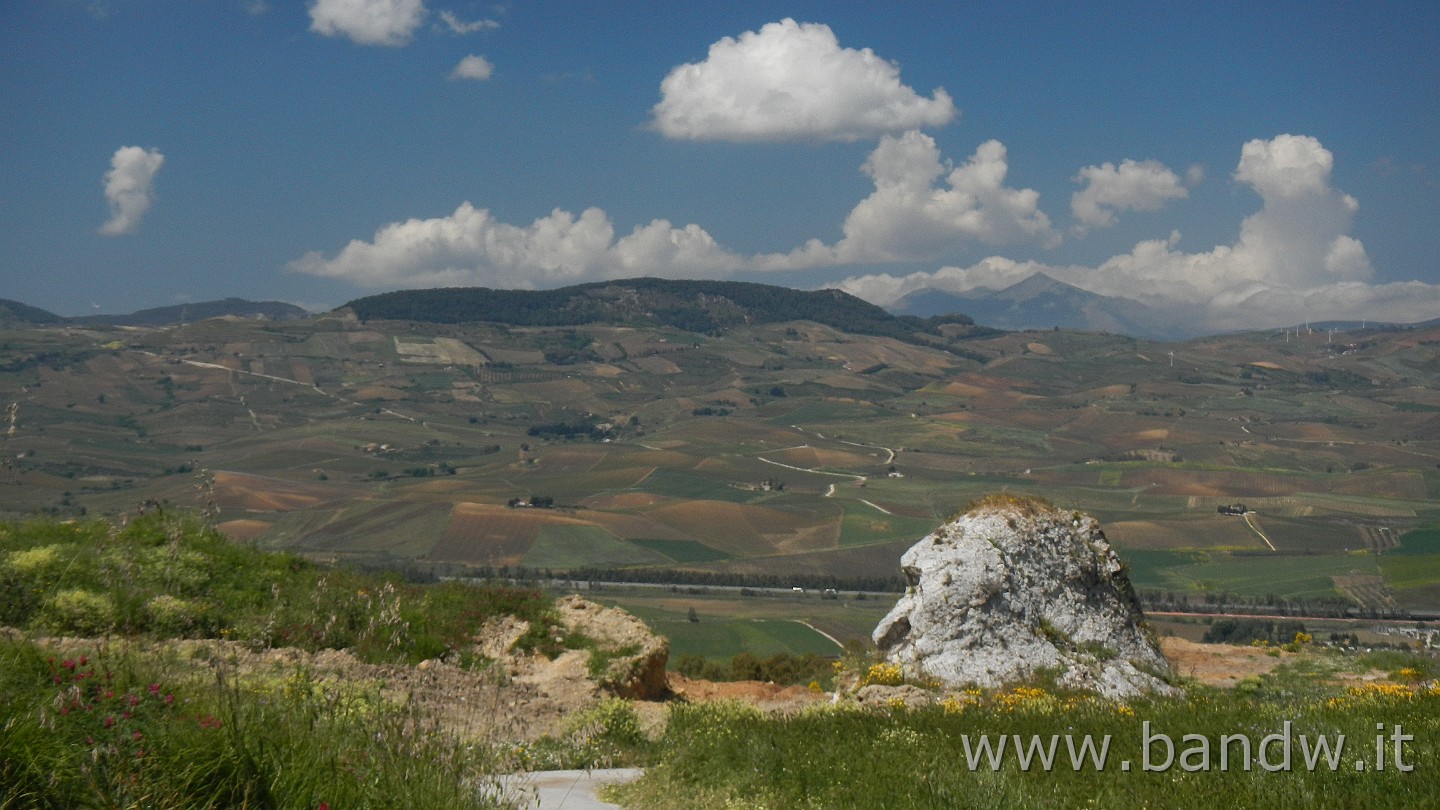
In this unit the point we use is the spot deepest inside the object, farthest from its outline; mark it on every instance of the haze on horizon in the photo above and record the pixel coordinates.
(1233, 167)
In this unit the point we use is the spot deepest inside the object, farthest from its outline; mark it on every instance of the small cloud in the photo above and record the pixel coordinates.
(458, 26)
(1195, 175)
(1109, 189)
(130, 187)
(792, 81)
(474, 68)
(368, 22)
(255, 7)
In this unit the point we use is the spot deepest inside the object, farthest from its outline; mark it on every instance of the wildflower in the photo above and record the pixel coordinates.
(136, 736)
(109, 721)
(154, 688)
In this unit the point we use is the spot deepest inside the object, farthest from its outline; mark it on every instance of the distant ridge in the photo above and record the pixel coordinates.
(1042, 302)
(199, 311)
(692, 305)
(16, 312)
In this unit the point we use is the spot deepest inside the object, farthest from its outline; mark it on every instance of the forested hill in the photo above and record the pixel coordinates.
(695, 306)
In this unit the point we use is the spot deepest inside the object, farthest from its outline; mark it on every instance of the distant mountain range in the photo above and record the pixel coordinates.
(14, 312)
(1042, 302)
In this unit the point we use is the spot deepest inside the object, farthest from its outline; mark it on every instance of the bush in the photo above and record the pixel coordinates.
(78, 612)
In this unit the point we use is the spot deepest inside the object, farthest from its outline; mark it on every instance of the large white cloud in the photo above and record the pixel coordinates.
(130, 187)
(920, 209)
(792, 81)
(368, 22)
(1109, 189)
(923, 207)
(470, 247)
(1293, 259)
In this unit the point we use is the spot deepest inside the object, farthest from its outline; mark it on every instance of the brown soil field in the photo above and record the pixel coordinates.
(965, 390)
(258, 493)
(1207, 483)
(1406, 485)
(491, 534)
(635, 526)
(1155, 534)
(731, 527)
(1107, 391)
(811, 457)
(379, 392)
(243, 530)
(623, 500)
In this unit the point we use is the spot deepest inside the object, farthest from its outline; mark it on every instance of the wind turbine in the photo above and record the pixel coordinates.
(1172, 359)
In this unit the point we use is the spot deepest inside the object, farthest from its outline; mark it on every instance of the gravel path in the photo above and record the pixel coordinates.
(565, 790)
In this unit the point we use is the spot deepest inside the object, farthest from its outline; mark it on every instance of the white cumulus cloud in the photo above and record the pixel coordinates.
(368, 22)
(475, 68)
(923, 207)
(470, 247)
(1109, 189)
(792, 81)
(130, 187)
(1293, 259)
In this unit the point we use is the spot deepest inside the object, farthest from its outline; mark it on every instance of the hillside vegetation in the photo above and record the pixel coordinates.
(707, 307)
(110, 695)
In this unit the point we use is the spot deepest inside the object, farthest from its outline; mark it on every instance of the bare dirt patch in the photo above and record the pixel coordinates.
(1218, 664)
(768, 696)
(243, 530)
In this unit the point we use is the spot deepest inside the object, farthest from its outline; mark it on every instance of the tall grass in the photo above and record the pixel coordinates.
(121, 720)
(168, 576)
(844, 756)
(118, 728)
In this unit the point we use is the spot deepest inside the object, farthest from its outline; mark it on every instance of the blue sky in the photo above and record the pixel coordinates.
(1240, 166)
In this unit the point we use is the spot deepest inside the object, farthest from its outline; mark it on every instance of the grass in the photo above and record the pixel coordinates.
(722, 755)
(117, 728)
(1418, 542)
(719, 638)
(171, 577)
(683, 551)
(564, 547)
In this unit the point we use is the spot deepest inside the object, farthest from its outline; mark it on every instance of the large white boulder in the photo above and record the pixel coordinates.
(1014, 589)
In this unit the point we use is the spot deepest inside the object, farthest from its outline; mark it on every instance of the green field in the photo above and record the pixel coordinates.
(719, 638)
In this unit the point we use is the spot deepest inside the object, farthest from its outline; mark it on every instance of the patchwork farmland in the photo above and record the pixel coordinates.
(770, 451)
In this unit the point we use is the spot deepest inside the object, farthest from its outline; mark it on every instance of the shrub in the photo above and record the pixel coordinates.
(76, 611)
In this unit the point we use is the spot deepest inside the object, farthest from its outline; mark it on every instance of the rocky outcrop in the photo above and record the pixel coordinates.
(1013, 589)
(627, 660)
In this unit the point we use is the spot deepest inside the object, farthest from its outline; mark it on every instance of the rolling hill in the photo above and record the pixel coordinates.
(750, 450)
